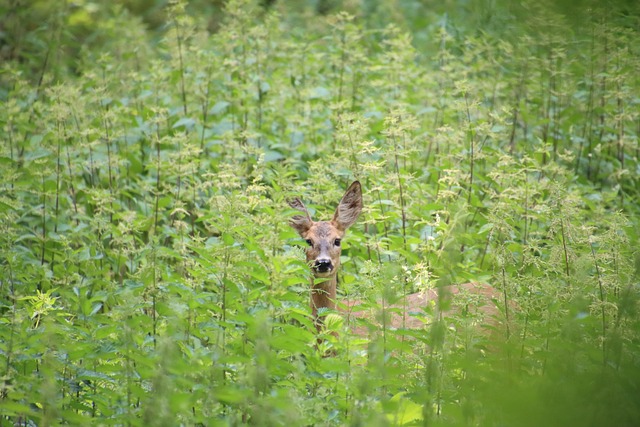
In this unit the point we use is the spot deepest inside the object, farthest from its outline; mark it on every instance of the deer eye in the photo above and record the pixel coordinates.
(337, 242)
(309, 242)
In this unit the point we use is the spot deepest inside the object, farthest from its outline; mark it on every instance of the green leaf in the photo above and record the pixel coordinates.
(219, 107)
(407, 412)
(186, 122)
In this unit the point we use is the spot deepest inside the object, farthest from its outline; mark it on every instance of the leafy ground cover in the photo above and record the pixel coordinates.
(148, 274)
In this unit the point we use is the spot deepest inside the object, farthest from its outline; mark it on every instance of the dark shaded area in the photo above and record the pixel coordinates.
(31, 30)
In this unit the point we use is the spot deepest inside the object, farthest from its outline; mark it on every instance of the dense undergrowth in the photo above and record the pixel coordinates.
(148, 275)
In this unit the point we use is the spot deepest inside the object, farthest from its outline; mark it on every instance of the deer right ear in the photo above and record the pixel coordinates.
(349, 208)
(300, 223)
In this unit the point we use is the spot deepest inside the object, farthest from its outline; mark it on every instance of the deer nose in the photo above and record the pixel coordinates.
(323, 265)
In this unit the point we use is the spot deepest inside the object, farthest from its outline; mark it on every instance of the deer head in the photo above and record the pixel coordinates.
(324, 243)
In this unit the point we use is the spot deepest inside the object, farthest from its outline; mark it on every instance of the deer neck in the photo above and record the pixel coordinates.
(323, 293)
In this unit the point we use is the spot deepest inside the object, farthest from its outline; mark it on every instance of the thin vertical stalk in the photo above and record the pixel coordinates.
(72, 187)
(8, 350)
(223, 284)
(243, 81)
(520, 94)
(564, 249)
(587, 133)
(158, 174)
(506, 303)
(205, 112)
(603, 99)
(32, 113)
(472, 138)
(401, 190)
(602, 310)
(183, 91)
(154, 296)
(44, 224)
(107, 135)
(261, 95)
(58, 173)
(56, 208)
(343, 60)
(545, 95)
(553, 107)
(384, 223)
(620, 127)
(547, 341)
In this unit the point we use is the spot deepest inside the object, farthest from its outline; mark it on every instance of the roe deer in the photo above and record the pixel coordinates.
(323, 252)
(323, 255)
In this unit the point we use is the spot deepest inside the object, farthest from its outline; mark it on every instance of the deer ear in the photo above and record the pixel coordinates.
(300, 223)
(349, 208)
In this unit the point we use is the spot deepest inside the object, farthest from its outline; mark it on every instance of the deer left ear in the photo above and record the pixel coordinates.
(349, 208)
(301, 223)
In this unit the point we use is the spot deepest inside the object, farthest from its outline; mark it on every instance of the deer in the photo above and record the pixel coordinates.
(323, 251)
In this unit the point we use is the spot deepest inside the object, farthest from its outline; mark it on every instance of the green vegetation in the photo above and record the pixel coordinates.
(148, 276)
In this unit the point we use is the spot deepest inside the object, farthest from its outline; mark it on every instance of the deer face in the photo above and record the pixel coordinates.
(324, 237)
(323, 253)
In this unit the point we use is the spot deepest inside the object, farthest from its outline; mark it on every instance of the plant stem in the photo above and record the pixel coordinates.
(564, 249)
(402, 205)
(506, 303)
(602, 308)
(72, 187)
(180, 61)
(472, 138)
(44, 224)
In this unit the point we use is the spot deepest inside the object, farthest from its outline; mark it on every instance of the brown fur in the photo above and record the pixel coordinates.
(409, 312)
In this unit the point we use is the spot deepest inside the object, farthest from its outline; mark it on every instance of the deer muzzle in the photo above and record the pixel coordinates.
(323, 266)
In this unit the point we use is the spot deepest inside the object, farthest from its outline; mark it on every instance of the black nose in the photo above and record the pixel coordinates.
(323, 265)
